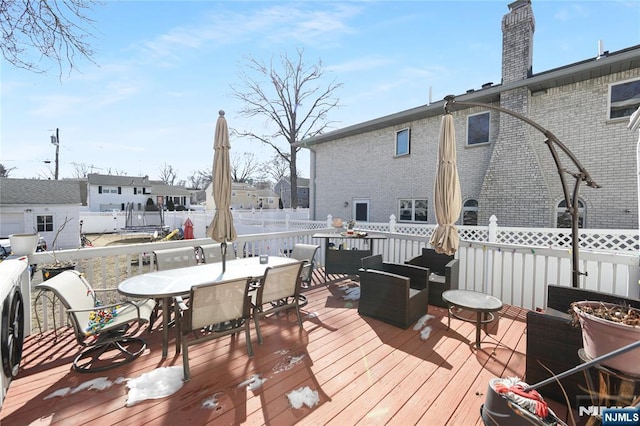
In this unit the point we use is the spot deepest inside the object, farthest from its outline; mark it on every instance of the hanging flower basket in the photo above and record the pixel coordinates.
(607, 327)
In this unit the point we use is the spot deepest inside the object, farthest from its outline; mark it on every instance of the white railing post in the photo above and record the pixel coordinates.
(287, 216)
(493, 229)
(329, 221)
(392, 223)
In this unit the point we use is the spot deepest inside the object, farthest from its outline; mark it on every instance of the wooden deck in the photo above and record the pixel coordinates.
(365, 372)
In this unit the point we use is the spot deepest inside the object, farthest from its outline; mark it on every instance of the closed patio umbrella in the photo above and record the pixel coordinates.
(221, 228)
(446, 193)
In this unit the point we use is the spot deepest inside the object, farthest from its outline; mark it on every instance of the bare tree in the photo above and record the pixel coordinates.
(291, 99)
(275, 169)
(244, 167)
(55, 30)
(82, 170)
(199, 179)
(167, 174)
(4, 171)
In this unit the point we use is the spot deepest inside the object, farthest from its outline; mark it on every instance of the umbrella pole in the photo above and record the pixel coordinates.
(223, 249)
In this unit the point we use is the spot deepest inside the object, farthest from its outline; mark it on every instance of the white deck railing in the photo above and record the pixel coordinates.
(516, 273)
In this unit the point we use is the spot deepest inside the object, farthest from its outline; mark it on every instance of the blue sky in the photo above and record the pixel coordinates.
(164, 69)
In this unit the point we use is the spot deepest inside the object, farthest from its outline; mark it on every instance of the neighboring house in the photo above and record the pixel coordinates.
(505, 167)
(116, 193)
(43, 207)
(246, 197)
(283, 189)
(167, 194)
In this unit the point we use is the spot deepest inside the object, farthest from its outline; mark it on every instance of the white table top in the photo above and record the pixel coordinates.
(177, 282)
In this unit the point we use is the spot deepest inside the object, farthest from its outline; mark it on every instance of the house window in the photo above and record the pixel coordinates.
(624, 98)
(478, 128)
(563, 217)
(470, 212)
(413, 210)
(402, 142)
(44, 223)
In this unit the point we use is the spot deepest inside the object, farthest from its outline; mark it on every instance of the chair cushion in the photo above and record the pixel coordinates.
(437, 278)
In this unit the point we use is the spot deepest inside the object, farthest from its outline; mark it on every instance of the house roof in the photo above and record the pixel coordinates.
(39, 191)
(161, 188)
(97, 179)
(606, 64)
(302, 182)
(265, 193)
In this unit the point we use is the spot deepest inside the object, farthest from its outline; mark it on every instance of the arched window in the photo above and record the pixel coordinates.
(563, 218)
(470, 212)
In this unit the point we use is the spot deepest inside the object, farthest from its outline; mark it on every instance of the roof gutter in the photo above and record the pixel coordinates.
(547, 79)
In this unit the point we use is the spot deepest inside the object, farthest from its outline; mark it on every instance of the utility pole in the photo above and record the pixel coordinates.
(55, 140)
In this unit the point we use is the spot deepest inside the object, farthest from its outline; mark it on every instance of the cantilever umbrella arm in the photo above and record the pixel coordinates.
(552, 142)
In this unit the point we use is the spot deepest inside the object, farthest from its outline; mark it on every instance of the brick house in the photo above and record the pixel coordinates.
(505, 167)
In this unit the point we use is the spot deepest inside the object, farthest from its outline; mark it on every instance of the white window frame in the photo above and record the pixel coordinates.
(406, 130)
(470, 121)
(47, 222)
(629, 103)
(410, 205)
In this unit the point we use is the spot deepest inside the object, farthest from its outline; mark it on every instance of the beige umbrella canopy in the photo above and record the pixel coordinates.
(221, 228)
(447, 198)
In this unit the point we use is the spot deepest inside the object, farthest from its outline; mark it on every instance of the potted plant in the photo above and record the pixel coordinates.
(51, 269)
(607, 327)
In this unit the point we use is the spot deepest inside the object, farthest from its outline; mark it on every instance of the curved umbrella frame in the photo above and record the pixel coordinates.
(582, 175)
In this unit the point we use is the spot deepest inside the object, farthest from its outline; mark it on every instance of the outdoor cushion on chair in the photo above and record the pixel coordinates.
(99, 327)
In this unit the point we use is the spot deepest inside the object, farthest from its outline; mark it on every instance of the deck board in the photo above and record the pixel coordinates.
(365, 371)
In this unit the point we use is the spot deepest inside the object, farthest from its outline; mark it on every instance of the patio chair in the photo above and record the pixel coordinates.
(226, 302)
(171, 259)
(101, 328)
(279, 290)
(444, 273)
(211, 253)
(395, 293)
(175, 258)
(306, 253)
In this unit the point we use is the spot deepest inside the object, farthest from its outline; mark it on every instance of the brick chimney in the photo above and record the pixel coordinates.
(518, 27)
(515, 159)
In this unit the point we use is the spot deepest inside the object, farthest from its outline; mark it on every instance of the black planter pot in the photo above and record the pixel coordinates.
(51, 271)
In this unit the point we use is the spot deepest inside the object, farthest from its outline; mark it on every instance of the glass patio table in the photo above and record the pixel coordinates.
(482, 304)
(178, 282)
